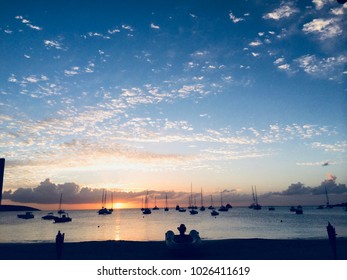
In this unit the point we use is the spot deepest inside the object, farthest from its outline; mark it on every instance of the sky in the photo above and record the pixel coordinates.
(131, 96)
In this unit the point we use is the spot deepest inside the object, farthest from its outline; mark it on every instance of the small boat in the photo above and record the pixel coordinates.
(60, 210)
(155, 204)
(211, 206)
(271, 208)
(255, 205)
(292, 209)
(182, 240)
(299, 210)
(26, 216)
(182, 210)
(202, 208)
(63, 218)
(177, 207)
(146, 210)
(214, 213)
(193, 212)
(104, 210)
(49, 216)
(166, 207)
(222, 208)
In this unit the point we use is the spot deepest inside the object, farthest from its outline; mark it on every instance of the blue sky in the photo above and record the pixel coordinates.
(135, 95)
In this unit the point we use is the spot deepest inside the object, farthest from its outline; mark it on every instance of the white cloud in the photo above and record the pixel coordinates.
(324, 28)
(322, 67)
(28, 23)
(255, 43)
(113, 31)
(284, 11)
(153, 26)
(285, 67)
(52, 44)
(234, 18)
(279, 60)
(319, 4)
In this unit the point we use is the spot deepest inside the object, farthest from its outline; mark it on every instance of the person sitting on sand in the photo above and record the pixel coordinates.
(182, 237)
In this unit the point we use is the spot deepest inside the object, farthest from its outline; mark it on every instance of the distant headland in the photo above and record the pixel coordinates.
(4, 208)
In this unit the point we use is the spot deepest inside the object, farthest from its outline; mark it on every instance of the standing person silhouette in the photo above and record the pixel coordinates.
(59, 242)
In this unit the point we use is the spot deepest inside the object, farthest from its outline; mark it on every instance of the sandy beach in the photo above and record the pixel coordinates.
(231, 249)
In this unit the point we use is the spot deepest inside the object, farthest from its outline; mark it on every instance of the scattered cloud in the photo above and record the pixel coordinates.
(285, 10)
(331, 67)
(324, 28)
(235, 19)
(28, 23)
(53, 44)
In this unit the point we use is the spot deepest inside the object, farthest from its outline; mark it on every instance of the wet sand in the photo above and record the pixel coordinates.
(231, 249)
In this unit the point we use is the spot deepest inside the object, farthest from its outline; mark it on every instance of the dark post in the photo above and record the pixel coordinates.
(2, 171)
(332, 239)
(59, 242)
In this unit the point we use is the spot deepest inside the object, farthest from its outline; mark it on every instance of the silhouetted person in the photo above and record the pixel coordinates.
(59, 242)
(332, 238)
(182, 237)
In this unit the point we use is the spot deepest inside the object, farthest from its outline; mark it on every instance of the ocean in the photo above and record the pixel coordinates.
(131, 224)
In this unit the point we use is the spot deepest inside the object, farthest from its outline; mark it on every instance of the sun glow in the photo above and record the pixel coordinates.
(118, 205)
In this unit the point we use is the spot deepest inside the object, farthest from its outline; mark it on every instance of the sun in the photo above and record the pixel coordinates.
(118, 205)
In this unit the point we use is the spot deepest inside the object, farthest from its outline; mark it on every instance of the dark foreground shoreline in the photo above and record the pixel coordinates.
(230, 249)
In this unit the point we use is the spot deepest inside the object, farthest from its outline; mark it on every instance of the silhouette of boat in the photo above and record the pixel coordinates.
(63, 218)
(182, 210)
(49, 216)
(155, 204)
(166, 207)
(214, 213)
(211, 206)
(299, 210)
(327, 205)
(202, 208)
(146, 210)
(271, 208)
(192, 207)
(104, 210)
(222, 208)
(255, 205)
(292, 209)
(60, 210)
(26, 216)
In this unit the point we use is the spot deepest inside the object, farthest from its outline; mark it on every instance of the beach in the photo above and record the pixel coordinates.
(230, 249)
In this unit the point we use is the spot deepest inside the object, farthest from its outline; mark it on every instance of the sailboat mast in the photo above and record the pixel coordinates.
(326, 195)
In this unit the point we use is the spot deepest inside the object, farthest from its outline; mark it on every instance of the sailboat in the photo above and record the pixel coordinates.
(63, 216)
(155, 204)
(192, 207)
(146, 210)
(60, 210)
(104, 210)
(255, 205)
(166, 207)
(111, 209)
(211, 206)
(222, 208)
(202, 208)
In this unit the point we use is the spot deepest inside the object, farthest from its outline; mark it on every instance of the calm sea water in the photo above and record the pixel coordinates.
(131, 224)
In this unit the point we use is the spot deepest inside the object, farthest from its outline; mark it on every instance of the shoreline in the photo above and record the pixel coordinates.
(226, 249)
